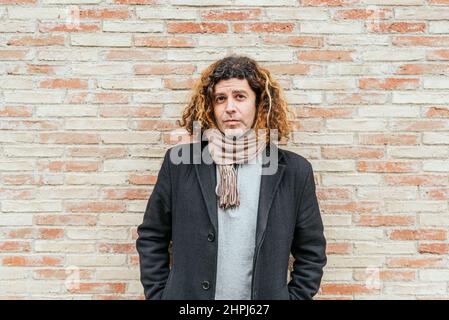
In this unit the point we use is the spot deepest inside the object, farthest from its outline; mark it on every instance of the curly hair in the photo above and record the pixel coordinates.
(271, 106)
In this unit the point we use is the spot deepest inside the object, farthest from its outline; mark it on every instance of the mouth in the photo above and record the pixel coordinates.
(232, 121)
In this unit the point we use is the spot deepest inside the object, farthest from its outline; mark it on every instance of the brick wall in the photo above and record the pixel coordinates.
(91, 89)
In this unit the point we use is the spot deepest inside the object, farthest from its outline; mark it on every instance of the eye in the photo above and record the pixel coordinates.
(241, 95)
(218, 99)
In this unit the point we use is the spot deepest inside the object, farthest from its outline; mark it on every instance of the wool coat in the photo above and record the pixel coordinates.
(182, 211)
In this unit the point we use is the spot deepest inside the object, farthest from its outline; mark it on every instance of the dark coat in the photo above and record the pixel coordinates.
(183, 209)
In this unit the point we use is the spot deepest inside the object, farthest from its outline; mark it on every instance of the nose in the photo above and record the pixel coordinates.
(230, 106)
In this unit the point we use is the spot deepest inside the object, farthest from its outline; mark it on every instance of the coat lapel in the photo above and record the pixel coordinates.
(268, 185)
(208, 180)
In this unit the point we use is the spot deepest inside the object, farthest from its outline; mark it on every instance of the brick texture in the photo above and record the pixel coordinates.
(90, 91)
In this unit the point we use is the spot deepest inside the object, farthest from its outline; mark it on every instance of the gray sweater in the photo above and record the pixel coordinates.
(237, 235)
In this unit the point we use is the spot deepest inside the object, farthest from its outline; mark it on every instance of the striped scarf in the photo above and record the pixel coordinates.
(227, 150)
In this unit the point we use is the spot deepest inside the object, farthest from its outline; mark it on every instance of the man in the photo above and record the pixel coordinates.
(233, 221)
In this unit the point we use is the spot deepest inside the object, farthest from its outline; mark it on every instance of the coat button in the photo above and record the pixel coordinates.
(211, 236)
(205, 285)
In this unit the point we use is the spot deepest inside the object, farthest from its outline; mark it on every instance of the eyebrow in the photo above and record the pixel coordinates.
(233, 91)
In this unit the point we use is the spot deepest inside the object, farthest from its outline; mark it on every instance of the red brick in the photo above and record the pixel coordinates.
(359, 98)
(18, 2)
(317, 112)
(108, 152)
(117, 247)
(386, 166)
(294, 41)
(126, 194)
(416, 180)
(76, 97)
(325, 55)
(430, 41)
(61, 274)
(437, 54)
(68, 166)
(363, 14)
(328, 3)
(238, 15)
(133, 260)
(351, 152)
(161, 69)
(27, 261)
(388, 139)
(19, 179)
(15, 111)
(437, 112)
(407, 262)
(351, 206)
(20, 233)
(196, 27)
(134, 234)
(138, 112)
(159, 125)
(69, 138)
(104, 14)
(422, 68)
(330, 193)
(338, 248)
(389, 83)
(39, 69)
(435, 248)
(94, 206)
(64, 84)
(436, 194)
(142, 179)
(66, 220)
(264, 27)
(419, 234)
(164, 42)
(420, 125)
(99, 287)
(36, 41)
(13, 54)
(15, 246)
(391, 275)
(47, 233)
(292, 68)
(396, 27)
(82, 166)
(177, 84)
(346, 289)
(110, 97)
(65, 27)
(127, 54)
(385, 220)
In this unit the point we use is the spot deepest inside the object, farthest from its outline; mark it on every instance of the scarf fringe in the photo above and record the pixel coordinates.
(227, 189)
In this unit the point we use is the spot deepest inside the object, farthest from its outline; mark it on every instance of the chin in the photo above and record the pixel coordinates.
(234, 131)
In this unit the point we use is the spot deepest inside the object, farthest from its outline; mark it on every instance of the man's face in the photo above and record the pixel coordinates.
(234, 105)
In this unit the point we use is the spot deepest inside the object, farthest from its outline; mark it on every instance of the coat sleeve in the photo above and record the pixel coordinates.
(154, 235)
(308, 245)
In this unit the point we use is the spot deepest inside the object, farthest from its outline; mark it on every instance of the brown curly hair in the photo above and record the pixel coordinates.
(271, 106)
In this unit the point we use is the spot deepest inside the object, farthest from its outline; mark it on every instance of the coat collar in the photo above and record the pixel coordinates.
(269, 183)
